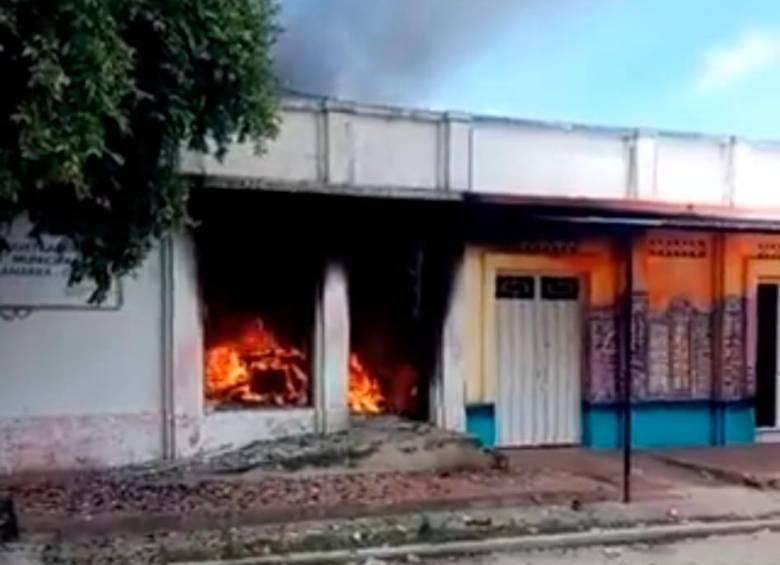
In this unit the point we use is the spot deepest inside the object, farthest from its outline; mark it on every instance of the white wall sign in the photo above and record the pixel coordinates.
(34, 274)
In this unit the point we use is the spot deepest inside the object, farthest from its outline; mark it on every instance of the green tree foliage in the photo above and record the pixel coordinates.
(99, 97)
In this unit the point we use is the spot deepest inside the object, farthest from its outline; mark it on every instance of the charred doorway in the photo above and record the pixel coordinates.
(386, 331)
(261, 259)
(397, 296)
(399, 279)
(259, 291)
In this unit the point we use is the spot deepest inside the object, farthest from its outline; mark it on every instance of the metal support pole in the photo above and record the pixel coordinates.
(167, 396)
(626, 365)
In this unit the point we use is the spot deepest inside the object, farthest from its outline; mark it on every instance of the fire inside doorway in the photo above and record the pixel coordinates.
(259, 327)
(393, 329)
(259, 287)
(384, 335)
(258, 301)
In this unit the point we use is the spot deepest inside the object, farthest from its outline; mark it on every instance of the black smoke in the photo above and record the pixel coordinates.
(384, 51)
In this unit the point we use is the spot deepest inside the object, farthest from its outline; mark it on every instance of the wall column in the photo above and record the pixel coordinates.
(332, 342)
(643, 163)
(448, 399)
(185, 355)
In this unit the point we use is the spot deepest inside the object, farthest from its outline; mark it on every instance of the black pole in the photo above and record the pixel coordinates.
(626, 365)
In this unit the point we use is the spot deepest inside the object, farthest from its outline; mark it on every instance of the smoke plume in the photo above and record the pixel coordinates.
(383, 51)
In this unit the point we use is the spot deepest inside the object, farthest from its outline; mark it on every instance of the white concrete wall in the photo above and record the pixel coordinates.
(82, 387)
(186, 345)
(384, 151)
(332, 339)
(689, 170)
(447, 405)
(293, 156)
(531, 161)
(757, 176)
(94, 388)
(338, 147)
(234, 428)
(332, 144)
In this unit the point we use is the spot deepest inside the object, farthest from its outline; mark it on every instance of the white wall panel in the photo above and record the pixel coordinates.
(758, 177)
(514, 159)
(691, 171)
(292, 156)
(83, 388)
(393, 152)
(86, 362)
(234, 428)
(341, 144)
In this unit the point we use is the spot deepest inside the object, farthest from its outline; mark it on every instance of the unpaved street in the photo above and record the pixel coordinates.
(758, 549)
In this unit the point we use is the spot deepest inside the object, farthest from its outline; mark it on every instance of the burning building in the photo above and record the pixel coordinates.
(260, 310)
(523, 282)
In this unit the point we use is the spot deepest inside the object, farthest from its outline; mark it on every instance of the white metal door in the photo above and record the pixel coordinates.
(538, 340)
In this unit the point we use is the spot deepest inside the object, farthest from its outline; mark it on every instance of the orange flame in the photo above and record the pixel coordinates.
(256, 369)
(365, 393)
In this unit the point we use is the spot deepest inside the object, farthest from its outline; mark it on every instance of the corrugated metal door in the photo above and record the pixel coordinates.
(538, 337)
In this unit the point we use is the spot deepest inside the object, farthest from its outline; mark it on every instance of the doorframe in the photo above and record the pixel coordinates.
(536, 266)
(769, 434)
(761, 271)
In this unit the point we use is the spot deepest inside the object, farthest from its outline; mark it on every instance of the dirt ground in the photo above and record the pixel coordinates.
(231, 490)
(99, 502)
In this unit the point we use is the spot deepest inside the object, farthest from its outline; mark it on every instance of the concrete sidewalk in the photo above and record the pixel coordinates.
(755, 465)
(651, 478)
(661, 473)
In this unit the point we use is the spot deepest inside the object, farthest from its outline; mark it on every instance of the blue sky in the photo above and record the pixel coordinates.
(696, 66)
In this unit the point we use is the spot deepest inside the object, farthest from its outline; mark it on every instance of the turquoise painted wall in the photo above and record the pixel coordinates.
(481, 423)
(600, 427)
(670, 424)
(739, 423)
(653, 425)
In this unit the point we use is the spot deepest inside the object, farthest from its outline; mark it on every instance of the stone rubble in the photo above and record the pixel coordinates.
(292, 478)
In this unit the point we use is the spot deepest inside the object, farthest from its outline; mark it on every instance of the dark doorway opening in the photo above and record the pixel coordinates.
(259, 285)
(766, 356)
(385, 325)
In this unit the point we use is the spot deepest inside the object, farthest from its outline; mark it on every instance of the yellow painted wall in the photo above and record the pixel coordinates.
(595, 261)
(748, 260)
(731, 265)
(667, 271)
